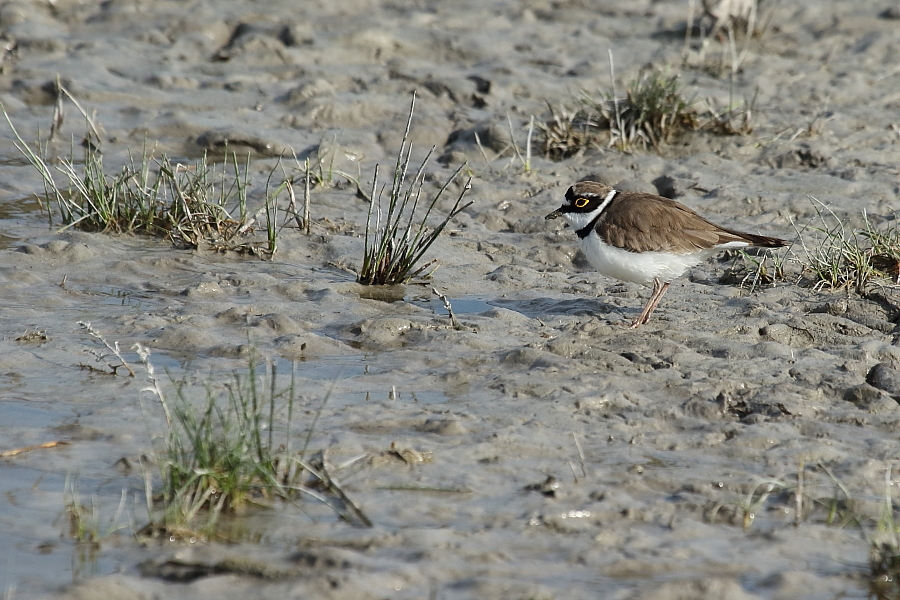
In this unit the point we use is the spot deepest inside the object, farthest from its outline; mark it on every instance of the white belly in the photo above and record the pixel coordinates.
(640, 267)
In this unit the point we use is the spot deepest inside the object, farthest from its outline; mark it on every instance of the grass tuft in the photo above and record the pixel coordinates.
(222, 454)
(755, 269)
(568, 131)
(884, 550)
(839, 257)
(398, 238)
(204, 204)
(653, 113)
(735, 119)
(836, 508)
(85, 526)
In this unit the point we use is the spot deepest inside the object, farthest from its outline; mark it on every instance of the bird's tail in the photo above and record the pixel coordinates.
(760, 241)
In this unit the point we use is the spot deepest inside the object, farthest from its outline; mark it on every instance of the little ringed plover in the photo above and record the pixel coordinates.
(644, 238)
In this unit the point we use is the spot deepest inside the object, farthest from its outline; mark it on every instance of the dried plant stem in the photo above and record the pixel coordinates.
(80, 108)
(114, 348)
(448, 307)
(615, 98)
(306, 197)
(580, 454)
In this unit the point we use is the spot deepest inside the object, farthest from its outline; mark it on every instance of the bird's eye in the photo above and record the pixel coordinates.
(581, 202)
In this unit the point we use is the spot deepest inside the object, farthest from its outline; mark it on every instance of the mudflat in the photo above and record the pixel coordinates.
(539, 449)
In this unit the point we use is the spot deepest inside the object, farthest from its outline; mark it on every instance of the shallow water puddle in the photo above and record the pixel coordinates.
(18, 415)
(13, 216)
(115, 296)
(461, 306)
(34, 545)
(326, 368)
(36, 548)
(22, 207)
(335, 369)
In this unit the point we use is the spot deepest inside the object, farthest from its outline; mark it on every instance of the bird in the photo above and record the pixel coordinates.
(644, 238)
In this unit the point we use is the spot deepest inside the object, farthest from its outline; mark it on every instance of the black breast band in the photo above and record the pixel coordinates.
(586, 230)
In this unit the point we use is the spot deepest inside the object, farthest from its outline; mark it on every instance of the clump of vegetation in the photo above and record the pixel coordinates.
(220, 455)
(653, 112)
(884, 566)
(396, 239)
(85, 526)
(568, 131)
(800, 496)
(838, 257)
(728, 22)
(835, 507)
(884, 550)
(755, 268)
(830, 254)
(192, 205)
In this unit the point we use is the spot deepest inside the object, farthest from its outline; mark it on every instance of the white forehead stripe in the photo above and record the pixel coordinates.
(607, 200)
(597, 211)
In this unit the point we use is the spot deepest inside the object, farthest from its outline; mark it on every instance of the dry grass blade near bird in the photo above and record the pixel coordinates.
(644, 238)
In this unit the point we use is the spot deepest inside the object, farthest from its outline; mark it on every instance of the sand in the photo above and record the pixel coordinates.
(660, 442)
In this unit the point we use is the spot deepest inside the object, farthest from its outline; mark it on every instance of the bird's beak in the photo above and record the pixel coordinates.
(554, 214)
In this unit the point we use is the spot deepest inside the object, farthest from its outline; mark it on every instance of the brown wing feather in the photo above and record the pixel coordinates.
(644, 222)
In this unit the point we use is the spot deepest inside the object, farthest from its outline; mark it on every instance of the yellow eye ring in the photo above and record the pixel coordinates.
(581, 202)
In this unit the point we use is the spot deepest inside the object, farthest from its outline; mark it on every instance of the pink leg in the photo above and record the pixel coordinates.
(658, 290)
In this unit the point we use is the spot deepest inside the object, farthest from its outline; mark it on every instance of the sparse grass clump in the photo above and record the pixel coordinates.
(728, 22)
(191, 204)
(800, 495)
(839, 257)
(830, 254)
(884, 564)
(568, 131)
(397, 239)
(755, 269)
(85, 523)
(221, 454)
(654, 112)
(217, 457)
(836, 507)
(87, 528)
(884, 549)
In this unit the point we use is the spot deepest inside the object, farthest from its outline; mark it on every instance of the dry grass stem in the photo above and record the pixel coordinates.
(454, 323)
(17, 451)
(113, 348)
(525, 160)
(580, 454)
